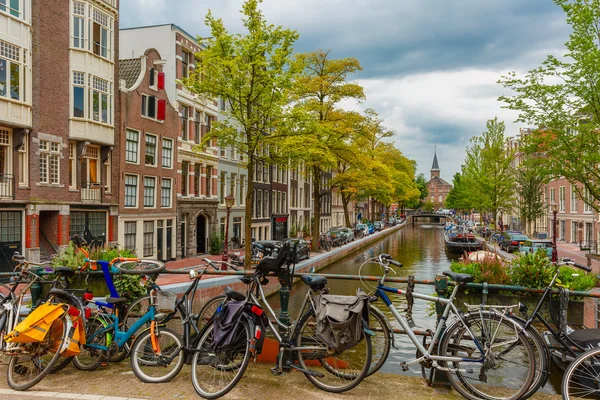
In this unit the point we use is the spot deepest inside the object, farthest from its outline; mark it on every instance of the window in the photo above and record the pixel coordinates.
(552, 195)
(131, 183)
(237, 227)
(101, 31)
(5, 153)
(209, 181)
(165, 193)
(49, 162)
(11, 7)
(108, 173)
(130, 230)
(185, 61)
(12, 71)
(91, 165)
(72, 167)
(587, 198)
(574, 226)
(152, 78)
(148, 238)
(149, 190)
(266, 204)
(78, 94)
(185, 167)
(222, 187)
(561, 198)
(274, 201)
(78, 25)
(101, 100)
(258, 203)
(242, 190)
(150, 150)
(131, 146)
(573, 199)
(167, 153)
(197, 129)
(149, 106)
(222, 104)
(265, 173)
(23, 161)
(284, 202)
(232, 182)
(184, 122)
(197, 168)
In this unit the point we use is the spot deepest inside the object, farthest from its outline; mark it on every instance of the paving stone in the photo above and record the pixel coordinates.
(90, 397)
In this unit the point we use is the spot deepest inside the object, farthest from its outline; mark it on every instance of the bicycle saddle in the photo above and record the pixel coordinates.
(586, 338)
(315, 282)
(232, 294)
(64, 271)
(458, 278)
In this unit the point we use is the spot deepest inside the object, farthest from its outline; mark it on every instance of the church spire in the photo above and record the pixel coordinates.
(435, 167)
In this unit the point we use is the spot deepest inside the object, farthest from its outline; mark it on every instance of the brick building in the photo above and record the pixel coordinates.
(437, 187)
(300, 199)
(57, 113)
(149, 127)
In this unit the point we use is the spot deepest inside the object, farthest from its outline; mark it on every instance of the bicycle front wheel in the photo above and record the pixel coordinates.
(152, 367)
(215, 373)
(582, 378)
(331, 371)
(140, 267)
(381, 342)
(90, 357)
(26, 370)
(504, 365)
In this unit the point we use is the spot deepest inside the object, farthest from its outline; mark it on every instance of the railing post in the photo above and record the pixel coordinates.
(440, 379)
(36, 289)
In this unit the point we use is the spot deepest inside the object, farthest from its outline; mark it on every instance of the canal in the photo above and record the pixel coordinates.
(421, 250)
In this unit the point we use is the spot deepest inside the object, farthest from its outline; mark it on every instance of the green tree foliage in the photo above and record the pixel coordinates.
(530, 192)
(489, 175)
(461, 197)
(560, 97)
(252, 73)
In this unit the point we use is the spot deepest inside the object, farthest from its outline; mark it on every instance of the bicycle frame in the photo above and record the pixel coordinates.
(121, 337)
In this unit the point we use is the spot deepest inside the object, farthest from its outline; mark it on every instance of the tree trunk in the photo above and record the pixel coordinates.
(248, 215)
(372, 211)
(317, 208)
(345, 201)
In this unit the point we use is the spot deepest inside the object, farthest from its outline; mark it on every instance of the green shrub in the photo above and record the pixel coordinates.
(215, 242)
(489, 269)
(293, 232)
(575, 279)
(68, 257)
(532, 270)
(129, 286)
(471, 268)
(108, 253)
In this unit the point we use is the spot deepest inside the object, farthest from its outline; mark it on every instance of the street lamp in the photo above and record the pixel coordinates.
(554, 206)
(228, 203)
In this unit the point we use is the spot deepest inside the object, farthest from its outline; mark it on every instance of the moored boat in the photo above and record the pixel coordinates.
(459, 242)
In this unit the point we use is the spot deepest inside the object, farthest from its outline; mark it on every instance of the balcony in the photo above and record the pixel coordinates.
(91, 192)
(7, 187)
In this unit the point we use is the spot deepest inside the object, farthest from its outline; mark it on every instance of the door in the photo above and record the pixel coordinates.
(169, 254)
(10, 238)
(183, 252)
(159, 241)
(201, 234)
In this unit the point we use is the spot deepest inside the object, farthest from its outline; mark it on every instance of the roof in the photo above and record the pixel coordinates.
(130, 70)
(174, 27)
(435, 165)
(440, 181)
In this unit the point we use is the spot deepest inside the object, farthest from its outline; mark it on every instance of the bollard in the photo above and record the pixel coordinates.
(440, 379)
(285, 277)
(36, 289)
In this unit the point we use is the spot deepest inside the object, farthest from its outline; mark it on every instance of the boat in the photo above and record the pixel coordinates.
(460, 241)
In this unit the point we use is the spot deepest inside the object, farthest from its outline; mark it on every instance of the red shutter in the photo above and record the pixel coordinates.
(161, 80)
(162, 109)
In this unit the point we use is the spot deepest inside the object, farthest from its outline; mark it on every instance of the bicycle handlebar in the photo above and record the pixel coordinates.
(390, 260)
(583, 267)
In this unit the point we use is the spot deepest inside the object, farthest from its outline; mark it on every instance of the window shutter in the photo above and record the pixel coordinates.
(161, 80)
(152, 107)
(162, 108)
(151, 76)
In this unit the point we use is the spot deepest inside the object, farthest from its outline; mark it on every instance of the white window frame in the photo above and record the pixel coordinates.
(145, 107)
(108, 171)
(78, 11)
(146, 136)
(573, 199)
(162, 154)
(23, 155)
(49, 162)
(587, 201)
(137, 147)
(101, 88)
(125, 196)
(6, 143)
(148, 230)
(79, 82)
(148, 179)
(13, 55)
(9, 9)
(72, 166)
(127, 234)
(105, 22)
(170, 197)
(561, 199)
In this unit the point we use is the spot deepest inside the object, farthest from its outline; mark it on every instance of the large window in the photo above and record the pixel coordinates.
(197, 130)
(185, 62)
(561, 198)
(165, 193)
(78, 94)
(101, 100)
(12, 71)
(242, 190)
(23, 162)
(184, 122)
(101, 31)
(148, 238)
(573, 199)
(11, 6)
(209, 170)
(72, 167)
(167, 153)
(49, 162)
(78, 25)
(149, 191)
(197, 172)
(5, 153)
(130, 230)
(150, 150)
(185, 168)
(92, 29)
(587, 199)
(131, 146)
(131, 183)
(266, 204)
(149, 106)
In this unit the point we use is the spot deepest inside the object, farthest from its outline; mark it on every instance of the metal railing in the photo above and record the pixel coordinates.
(7, 186)
(590, 246)
(91, 192)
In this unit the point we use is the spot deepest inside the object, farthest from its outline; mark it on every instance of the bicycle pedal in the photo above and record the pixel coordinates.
(276, 371)
(404, 366)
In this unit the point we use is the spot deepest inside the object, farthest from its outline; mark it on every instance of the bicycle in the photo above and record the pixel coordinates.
(30, 362)
(474, 350)
(215, 372)
(582, 379)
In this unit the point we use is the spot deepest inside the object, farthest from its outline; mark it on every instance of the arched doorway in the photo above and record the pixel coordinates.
(201, 234)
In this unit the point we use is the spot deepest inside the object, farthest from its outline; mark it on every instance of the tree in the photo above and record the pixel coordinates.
(488, 170)
(530, 193)
(421, 184)
(460, 197)
(252, 74)
(324, 126)
(560, 97)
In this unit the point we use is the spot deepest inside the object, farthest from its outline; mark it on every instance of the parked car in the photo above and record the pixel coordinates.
(337, 237)
(303, 247)
(533, 245)
(364, 228)
(511, 241)
(349, 233)
(378, 225)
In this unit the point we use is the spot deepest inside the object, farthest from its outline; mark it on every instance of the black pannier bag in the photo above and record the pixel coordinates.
(227, 323)
(339, 319)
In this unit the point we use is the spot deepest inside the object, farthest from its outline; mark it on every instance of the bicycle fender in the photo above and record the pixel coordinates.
(68, 295)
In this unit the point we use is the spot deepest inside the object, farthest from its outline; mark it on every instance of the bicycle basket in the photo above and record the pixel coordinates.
(165, 302)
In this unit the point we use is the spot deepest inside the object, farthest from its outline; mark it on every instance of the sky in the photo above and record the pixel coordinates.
(430, 67)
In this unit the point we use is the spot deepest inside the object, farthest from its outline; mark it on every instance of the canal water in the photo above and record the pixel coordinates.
(421, 250)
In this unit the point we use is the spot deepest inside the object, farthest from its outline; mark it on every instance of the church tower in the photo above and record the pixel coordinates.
(435, 168)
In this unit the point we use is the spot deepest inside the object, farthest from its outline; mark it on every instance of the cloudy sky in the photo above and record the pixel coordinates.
(430, 66)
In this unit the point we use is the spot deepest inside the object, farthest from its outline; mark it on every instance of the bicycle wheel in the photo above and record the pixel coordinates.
(150, 367)
(214, 374)
(146, 267)
(508, 366)
(25, 371)
(140, 306)
(90, 358)
(331, 371)
(208, 310)
(381, 342)
(582, 378)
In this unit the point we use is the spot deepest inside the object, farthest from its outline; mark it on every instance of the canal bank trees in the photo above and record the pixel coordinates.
(561, 98)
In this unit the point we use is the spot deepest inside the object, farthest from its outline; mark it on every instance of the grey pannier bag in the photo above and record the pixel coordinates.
(339, 319)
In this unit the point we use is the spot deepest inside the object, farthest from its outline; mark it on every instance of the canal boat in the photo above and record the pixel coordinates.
(459, 241)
